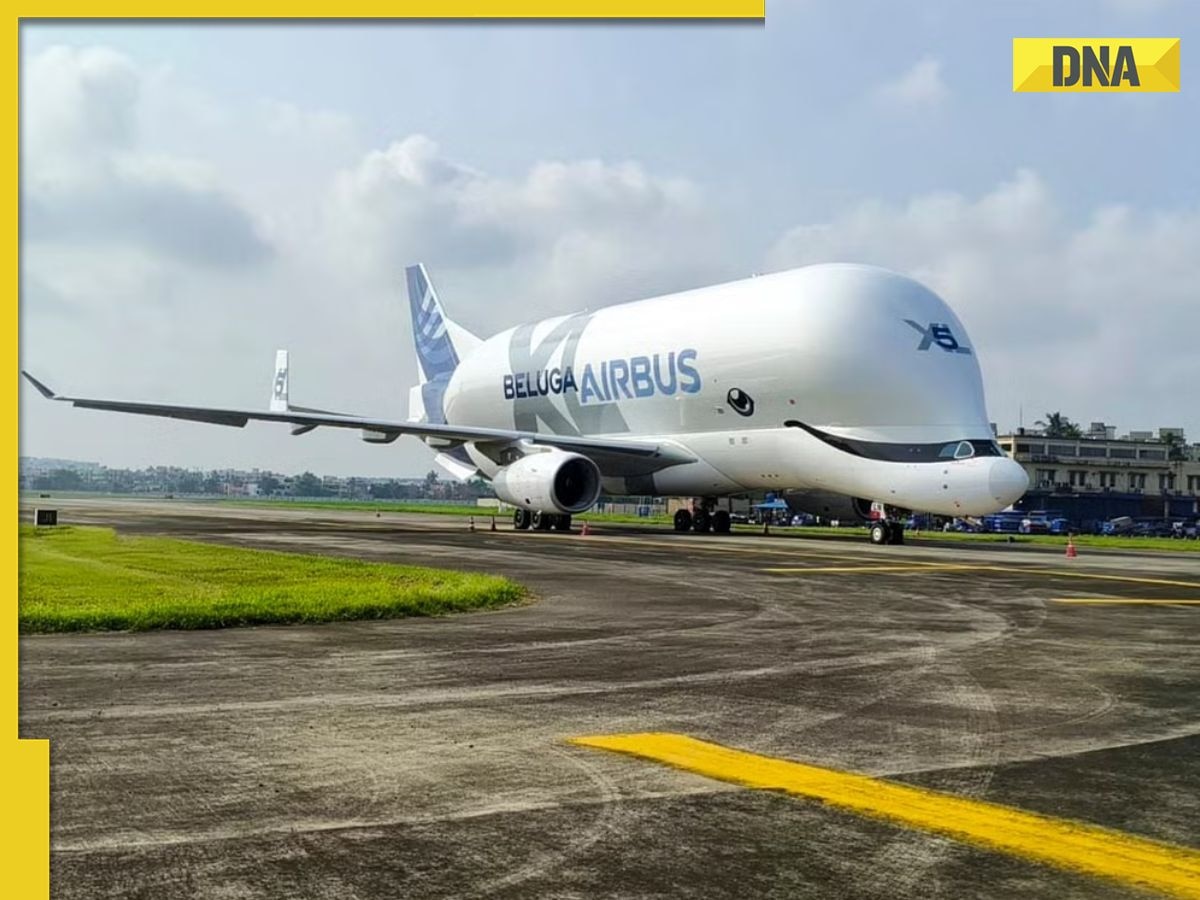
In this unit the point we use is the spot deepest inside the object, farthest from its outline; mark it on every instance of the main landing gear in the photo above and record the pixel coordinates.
(703, 518)
(886, 531)
(524, 520)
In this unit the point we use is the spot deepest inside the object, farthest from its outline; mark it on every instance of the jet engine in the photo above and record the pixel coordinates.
(551, 481)
(828, 505)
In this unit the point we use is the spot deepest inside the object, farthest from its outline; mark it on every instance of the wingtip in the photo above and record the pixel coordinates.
(42, 389)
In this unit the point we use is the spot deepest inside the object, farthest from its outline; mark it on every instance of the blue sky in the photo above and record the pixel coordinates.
(875, 131)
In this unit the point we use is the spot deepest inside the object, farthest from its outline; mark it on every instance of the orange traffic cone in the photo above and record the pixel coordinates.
(1071, 551)
(586, 530)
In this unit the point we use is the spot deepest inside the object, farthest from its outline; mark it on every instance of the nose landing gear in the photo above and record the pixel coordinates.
(886, 531)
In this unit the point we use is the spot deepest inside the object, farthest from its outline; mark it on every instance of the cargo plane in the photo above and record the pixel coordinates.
(841, 386)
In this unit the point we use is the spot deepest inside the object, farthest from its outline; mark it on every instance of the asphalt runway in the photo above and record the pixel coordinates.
(432, 757)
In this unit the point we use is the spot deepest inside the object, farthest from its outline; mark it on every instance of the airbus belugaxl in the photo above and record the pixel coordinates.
(841, 384)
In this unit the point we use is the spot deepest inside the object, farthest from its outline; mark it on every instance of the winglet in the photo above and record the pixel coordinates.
(279, 387)
(42, 389)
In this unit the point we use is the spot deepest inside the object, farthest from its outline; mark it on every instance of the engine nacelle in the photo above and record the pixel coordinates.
(828, 505)
(552, 481)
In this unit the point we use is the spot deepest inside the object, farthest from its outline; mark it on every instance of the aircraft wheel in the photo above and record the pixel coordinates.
(701, 521)
(880, 533)
(562, 523)
(897, 534)
(683, 520)
(543, 521)
(720, 522)
(521, 519)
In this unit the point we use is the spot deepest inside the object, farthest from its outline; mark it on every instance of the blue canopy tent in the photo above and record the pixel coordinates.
(771, 504)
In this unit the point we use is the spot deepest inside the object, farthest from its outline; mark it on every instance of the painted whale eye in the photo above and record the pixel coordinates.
(740, 402)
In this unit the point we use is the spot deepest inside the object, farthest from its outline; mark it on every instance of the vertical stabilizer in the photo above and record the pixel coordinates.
(439, 343)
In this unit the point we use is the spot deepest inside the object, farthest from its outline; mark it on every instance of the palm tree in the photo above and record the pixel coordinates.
(1174, 442)
(1056, 425)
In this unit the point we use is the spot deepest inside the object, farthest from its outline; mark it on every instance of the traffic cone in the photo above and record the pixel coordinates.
(586, 530)
(493, 523)
(1071, 551)
(471, 525)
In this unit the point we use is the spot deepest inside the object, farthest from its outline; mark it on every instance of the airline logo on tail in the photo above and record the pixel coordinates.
(434, 350)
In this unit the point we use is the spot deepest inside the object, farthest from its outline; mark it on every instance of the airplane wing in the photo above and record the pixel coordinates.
(613, 455)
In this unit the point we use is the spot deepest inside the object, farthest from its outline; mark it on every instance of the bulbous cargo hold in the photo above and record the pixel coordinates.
(843, 379)
(841, 347)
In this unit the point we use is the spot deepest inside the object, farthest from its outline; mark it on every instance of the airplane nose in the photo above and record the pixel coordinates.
(1007, 481)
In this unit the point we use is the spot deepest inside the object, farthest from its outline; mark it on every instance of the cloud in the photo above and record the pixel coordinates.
(575, 232)
(919, 87)
(87, 180)
(1097, 318)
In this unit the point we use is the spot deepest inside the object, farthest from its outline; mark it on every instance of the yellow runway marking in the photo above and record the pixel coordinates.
(1071, 845)
(1135, 601)
(905, 567)
(1008, 570)
(684, 545)
(1135, 579)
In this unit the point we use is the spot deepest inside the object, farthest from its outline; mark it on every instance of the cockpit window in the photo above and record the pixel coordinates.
(987, 448)
(957, 450)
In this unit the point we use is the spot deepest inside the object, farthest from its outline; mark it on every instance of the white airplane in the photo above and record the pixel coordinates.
(840, 384)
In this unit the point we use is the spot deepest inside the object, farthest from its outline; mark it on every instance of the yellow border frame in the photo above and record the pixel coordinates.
(25, 837)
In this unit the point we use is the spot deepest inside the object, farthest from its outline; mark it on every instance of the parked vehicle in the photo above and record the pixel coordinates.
(1119, 525)
(1186, 530)
(1003, 522)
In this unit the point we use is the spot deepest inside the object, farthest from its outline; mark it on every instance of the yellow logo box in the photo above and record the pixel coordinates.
(1095, 64)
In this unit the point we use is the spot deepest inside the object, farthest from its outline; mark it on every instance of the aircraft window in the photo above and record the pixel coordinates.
(987, 448)
(957, 450)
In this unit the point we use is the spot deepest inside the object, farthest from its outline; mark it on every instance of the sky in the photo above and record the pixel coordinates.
(196, 195)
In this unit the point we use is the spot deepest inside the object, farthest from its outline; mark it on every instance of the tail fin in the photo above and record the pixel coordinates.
(440, 345)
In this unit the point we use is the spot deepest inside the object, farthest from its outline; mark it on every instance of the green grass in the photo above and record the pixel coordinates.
(91, 579)
(399, 506)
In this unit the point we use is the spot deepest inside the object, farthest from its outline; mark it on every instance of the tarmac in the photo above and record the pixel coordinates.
(435, 757)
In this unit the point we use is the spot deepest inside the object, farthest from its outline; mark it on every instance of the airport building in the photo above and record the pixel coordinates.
(1098, 475)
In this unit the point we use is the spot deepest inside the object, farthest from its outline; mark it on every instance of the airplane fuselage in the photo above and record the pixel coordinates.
(840, 378)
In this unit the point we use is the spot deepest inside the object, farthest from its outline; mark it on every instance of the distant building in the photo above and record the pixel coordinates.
(1100, 476)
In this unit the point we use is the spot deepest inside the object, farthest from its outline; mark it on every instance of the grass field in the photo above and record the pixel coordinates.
(90, 579)
(437, 509)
